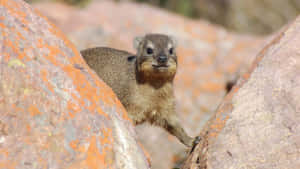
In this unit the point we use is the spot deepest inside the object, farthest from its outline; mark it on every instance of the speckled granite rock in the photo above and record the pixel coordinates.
(257, 125)
(54, 111)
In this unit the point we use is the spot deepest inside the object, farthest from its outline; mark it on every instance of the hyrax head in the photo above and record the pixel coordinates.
(156, 57)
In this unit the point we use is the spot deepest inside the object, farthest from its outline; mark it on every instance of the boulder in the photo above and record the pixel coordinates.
(257, 125)
(209, 56)
(54, 111)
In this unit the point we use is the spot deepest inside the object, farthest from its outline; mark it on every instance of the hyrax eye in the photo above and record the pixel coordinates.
(149, 51)
(171, 51)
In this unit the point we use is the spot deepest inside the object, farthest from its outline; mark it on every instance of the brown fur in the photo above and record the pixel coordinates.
(146, 91)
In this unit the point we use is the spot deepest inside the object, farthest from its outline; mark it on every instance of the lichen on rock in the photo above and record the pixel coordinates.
(54, 111)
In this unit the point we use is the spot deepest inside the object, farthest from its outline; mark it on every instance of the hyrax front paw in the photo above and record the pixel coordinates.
(196, 140)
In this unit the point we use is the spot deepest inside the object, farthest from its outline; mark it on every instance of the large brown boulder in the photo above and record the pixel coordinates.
(208, 57)
(257, 126)
(54, 111)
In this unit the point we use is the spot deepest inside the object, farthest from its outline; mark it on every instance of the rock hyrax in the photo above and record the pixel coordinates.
(143, 82)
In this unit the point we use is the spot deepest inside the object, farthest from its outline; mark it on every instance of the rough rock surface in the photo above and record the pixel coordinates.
(208, 57)
(257, 126)
(54, 111)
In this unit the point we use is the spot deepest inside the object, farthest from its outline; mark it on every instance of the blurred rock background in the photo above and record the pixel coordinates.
(217, 41)
(253, 16)
(246, 16)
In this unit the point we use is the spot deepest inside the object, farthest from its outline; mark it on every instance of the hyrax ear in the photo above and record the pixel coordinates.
(173, 40)
(137, 41)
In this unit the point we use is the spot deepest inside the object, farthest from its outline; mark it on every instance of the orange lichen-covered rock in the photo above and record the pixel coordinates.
(54, 111)
(257, 125)
(208, 56)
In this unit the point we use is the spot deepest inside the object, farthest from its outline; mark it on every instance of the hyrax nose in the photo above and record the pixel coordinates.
(162, 59)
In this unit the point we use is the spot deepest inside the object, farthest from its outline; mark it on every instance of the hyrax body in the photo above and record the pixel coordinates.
(143, 82)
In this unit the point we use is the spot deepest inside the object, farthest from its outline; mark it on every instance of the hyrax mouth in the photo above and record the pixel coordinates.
(160, 67)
